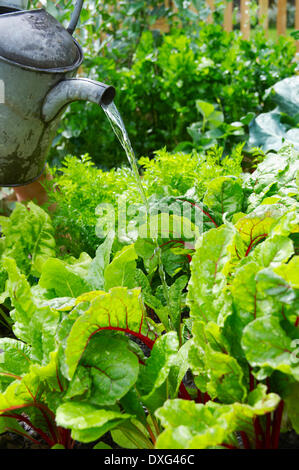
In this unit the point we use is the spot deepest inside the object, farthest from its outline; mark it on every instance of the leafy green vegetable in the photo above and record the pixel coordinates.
(88, 423)
(195, 426)
(268, 346)
(108, 369)
(119, 309)
(180, 341)
(29, 237)
(270, 130)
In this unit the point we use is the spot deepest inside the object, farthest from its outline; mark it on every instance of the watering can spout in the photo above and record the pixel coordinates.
(39, 60)
(75, 89)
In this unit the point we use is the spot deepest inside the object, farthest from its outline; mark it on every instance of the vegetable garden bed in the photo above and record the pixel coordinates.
(193, 345)
(170, 321)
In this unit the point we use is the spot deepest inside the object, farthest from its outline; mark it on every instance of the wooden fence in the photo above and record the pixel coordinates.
(281, 20)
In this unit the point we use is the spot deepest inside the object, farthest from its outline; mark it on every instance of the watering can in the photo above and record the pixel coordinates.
(39, 60)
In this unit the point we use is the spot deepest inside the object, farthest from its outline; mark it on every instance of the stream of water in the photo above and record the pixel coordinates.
(120, 131)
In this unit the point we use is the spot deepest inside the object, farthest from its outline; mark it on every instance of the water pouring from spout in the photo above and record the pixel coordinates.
(120, 131)
(39, 60)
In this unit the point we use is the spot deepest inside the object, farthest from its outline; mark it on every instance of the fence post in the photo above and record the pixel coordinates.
(281, 17)
(161, 24)
(228, 16)
(245, 18)
(263, 14)
(211, 5)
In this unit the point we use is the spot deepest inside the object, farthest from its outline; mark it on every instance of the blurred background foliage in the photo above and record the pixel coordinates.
(161, 77)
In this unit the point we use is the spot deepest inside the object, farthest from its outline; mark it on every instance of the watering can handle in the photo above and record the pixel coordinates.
(75, 16)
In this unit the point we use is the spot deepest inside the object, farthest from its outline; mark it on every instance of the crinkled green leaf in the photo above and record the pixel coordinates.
(87, 422)
(175, 301)
(225, 196)
(290, 271)
(267, 346)
(152, 379)
(120, 309)
(194, 426)
(211, 263)
(226, 378)
(277, 289)
(112, 370)
(256, 226)
(273, 251)
(39, 379)
(219, 373)
(244, 290)
(95, 276)
(34, 325)
(276, 171)
(66, 279)
(287, 224)
(29, 237)
(121, 271)
(14, 361)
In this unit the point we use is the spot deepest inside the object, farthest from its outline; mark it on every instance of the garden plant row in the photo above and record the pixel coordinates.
(186, 338)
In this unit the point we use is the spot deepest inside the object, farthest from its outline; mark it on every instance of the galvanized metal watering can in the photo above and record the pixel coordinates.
(39, 59)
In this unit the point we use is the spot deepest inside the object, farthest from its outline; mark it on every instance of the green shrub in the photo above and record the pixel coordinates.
(157, 94)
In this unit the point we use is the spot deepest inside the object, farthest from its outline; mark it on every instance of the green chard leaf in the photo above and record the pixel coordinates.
(29, 237)
(66, 279)
(33, 324)
(224, 196)
(273, 251)
(211, 264)
(215, 370)
(195, 426)
(36, 386)
(268, 347)
(120, 309)
(121, 271)
(15, 361)
(106, 371)
(95, 277)
(88, 422)
(256, 226)
(133, 435)
(275, 172)
(152, 380)
(175, 301)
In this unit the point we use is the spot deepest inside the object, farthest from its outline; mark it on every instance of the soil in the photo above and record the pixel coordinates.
(13, 441)
(289, 440)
